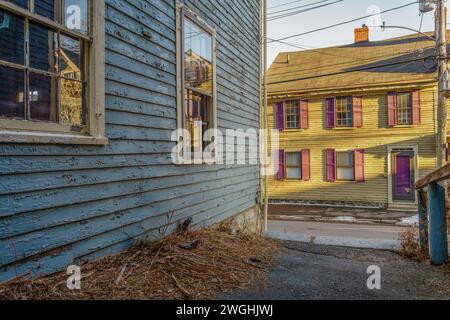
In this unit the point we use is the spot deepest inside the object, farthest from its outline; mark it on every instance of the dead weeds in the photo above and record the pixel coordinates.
(218, 263)
(410, 245)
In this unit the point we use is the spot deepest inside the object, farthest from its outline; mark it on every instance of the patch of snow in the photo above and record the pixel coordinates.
(344, 219)
(410, 221)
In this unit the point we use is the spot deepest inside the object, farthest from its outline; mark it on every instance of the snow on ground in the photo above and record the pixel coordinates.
(410, 221)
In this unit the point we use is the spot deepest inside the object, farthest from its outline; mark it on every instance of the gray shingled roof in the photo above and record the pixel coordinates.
(398, 60)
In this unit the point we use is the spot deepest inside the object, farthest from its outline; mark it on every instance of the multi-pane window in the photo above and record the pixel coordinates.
(293, 165)
(404, 108)
(292, 111)
(344, 111)
(198, 108)
(45, 64)
(345, 166)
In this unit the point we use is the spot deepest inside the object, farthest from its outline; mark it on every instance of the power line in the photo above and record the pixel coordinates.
(345, 22)
(285, 4)
(282, 16)
(294, 8)
(317, 50)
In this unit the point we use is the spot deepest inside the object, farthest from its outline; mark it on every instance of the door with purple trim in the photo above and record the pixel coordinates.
(403, 176)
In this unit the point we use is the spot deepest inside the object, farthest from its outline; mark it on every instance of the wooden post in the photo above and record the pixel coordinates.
(438, 224)
(423, 221)
(441, 46)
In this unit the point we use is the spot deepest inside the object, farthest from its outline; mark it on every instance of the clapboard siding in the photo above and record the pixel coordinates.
(374, 137)
(60, 205)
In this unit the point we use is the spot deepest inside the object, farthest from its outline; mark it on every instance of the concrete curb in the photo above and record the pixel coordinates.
(379, 244)
(351, 220)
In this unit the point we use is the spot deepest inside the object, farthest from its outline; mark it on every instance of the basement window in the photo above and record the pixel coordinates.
(52, 71)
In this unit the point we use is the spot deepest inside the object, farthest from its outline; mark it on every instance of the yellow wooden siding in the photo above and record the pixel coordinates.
(374, 138)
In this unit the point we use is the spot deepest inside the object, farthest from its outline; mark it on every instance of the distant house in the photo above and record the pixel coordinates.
(90, 95)
(357, 122)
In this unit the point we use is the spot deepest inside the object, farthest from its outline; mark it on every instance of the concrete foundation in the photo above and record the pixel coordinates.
(248, 222)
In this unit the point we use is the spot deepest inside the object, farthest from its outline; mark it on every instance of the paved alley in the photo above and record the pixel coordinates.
(306, 271)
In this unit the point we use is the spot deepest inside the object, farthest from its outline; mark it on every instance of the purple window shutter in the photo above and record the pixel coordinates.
(359, 166)
(357, 112)
(331, 165)
(331, 113)
(417, 105)
(304, 114)
(281, 166)
(392, 109)
(279, 110)
(306, 165)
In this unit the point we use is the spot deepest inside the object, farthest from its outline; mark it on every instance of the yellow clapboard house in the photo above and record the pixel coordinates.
(357, 122)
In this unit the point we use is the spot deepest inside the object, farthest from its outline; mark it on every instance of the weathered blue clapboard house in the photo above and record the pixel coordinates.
(90, 95)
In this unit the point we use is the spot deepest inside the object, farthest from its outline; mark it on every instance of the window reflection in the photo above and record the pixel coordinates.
(198, 58)
(20, 3)
(11, 93)
(196, 118)
(42, 97)
(43, 44)
(71, 103)
(12, 38)
(48, 8)
(70, 62)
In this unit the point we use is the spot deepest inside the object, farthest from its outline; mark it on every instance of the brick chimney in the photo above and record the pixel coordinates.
(362, 34)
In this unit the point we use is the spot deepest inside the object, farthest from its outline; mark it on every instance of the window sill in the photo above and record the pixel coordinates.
(30, 137)
(403, 126)
(344, 128)
(293, 130)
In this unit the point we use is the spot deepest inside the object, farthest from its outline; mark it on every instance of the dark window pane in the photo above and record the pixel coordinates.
(196, 118)
(42, 97)
(48, 8)
(72, 98)
(43, 44)
(77, 15)
(11, 93)
(11, 38)
(20, 3)
(70, 58)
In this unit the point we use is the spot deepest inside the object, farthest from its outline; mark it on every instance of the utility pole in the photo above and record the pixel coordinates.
(441, 46)
(266, 121)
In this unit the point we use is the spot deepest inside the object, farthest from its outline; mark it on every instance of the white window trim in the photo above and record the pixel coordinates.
(183, 11)
(24, 131)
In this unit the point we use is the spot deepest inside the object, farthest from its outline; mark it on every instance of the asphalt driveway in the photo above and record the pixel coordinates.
(308, 271)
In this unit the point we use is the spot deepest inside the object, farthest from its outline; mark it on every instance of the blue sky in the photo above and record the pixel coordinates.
(339, 12)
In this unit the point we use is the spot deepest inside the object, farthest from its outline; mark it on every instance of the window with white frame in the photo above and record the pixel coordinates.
(292, 111)
(52, 71)
(344, 111)
(293, 165)
(345, 166)
(404, 108)
(197, 99)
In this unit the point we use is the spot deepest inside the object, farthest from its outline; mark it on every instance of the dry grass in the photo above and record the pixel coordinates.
(410, 246)
(221, 263)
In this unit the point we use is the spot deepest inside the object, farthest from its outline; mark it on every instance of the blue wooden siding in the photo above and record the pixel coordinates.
(60, 205)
